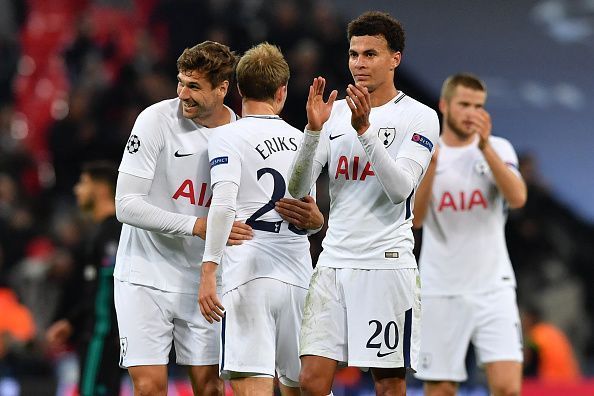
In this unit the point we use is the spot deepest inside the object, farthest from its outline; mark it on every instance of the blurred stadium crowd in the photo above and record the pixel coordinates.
(75, 74)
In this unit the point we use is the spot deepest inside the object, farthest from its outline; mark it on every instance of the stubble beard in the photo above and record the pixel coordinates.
(460, 133)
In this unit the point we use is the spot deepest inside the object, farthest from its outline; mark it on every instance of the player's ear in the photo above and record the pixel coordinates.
(396, 58)
(281, 94)
(443, 106)
(224, 88)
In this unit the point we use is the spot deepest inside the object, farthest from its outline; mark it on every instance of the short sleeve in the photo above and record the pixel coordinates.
(224, 157)
(506, 152)
(420, 138)
(144, 145)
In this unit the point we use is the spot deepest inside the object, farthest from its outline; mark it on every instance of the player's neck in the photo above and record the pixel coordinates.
(255, 107)
(383, 95)
(453, 139)
(102, 210)
(220, 116)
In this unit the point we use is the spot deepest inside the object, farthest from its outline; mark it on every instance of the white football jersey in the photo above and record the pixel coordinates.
(365, 229)
(255, 153)
(172, 151)
(464, 248)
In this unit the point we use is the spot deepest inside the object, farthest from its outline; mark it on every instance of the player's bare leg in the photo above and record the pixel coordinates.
(440, 388)
(206, 381)
(253, 386)
(149, 380)
(505, 378)
(389, 382)
(317, 375)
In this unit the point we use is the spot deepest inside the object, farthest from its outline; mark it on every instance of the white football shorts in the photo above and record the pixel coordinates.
(261, 330)
(489, 320)
(150, 320)
(365, 318)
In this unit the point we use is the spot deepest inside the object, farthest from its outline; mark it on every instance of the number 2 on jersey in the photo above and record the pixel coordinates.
(278, 191)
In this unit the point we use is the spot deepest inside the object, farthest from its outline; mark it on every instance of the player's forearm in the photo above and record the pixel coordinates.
(398, 177)
(220, 220)
(135, 211)
(302, 177)
(218, 227)
(511, 185)
(423, 196)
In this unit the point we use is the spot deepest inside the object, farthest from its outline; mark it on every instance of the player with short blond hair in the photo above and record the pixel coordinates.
(468, 283)
(265, 279)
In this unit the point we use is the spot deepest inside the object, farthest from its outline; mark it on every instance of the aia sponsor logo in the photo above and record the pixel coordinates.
(462, 201)
(193, 196)
(352, 170)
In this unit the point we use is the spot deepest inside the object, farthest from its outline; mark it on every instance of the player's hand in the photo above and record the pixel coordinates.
(58, 333)
(481, 125)
(239, 233)
(359, 102)
(303, 213)
(210, 306)
(317, 110)
(200, 228)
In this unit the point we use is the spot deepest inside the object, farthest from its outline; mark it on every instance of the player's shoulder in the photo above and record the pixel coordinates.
(167, 107)
(494, 139)
(291, 130)
(224, 131)
(160, 115)
(500, 143)
(414, 106)
(233, 134)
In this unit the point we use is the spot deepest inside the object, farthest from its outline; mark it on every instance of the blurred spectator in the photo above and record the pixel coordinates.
(92, 317)
(546, 235)
(16, 323)
(16, 330)
(548, 354)
(33, 280)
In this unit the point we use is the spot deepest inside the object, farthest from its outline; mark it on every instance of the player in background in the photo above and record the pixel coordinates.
(468, 284)
(265, 279)
(163, 195)
(363, 304)
(93, 316)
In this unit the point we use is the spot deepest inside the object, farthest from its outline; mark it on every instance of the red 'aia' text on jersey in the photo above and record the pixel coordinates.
(352, 172)
(461, 201)
(186, 190)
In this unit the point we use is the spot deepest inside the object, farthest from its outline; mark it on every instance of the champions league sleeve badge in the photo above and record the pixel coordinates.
(133, 144)
(387, 136)
(423, 141)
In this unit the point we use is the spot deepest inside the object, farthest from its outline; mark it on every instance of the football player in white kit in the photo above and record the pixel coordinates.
(163, 195)
(468, 284)
(363, 304)
(265, 280)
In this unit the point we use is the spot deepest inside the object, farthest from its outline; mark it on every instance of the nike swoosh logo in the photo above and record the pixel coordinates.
(379, 354)
(335, 136)
(178, 155)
